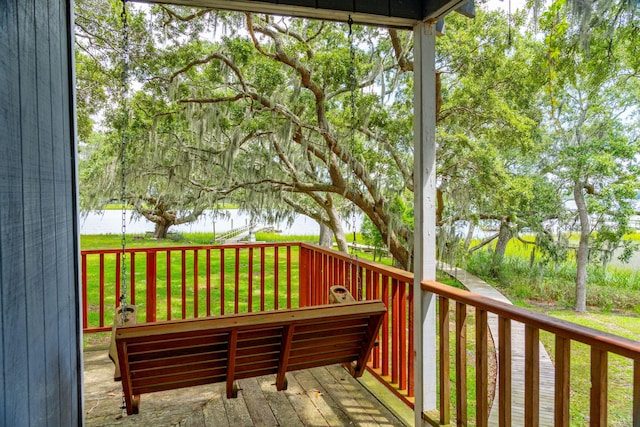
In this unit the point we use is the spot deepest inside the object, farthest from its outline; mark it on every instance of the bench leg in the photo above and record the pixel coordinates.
(232, 391)
(284, 384)
(135, 404)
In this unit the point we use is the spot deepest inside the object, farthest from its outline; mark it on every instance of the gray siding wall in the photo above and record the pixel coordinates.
(40, 357)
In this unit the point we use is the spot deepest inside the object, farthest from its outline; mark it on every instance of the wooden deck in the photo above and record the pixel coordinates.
(315, 397)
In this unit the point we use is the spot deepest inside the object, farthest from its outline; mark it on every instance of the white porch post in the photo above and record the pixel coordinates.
(425, 217)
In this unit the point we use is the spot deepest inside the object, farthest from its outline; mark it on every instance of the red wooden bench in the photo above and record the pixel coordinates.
(184, 353)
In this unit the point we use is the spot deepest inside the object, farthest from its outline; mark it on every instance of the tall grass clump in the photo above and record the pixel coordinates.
(533, 278)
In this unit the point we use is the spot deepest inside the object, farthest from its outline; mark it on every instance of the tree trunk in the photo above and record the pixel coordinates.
(326, 236)
(469, 238)
(161, 230)
(582, 256)
(501, 246)
(335, 224)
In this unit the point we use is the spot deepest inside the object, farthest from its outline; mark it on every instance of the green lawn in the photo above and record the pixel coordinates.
(221, 281)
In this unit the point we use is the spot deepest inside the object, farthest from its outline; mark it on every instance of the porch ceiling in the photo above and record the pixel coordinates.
(388, 13)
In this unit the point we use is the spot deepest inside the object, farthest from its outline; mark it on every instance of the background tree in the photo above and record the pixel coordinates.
(592, 109)
(163, 149)
(489, 141)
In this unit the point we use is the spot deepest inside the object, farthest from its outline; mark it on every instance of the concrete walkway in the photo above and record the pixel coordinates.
(547, 370)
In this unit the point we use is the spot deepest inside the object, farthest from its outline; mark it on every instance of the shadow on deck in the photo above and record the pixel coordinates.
(315, 397)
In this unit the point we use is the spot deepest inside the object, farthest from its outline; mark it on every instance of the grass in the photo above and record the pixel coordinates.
(612, 290)
(223, 292)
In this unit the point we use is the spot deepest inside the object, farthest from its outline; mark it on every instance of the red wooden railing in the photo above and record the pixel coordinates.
(185, 282)
(181, 282)
(601, 344)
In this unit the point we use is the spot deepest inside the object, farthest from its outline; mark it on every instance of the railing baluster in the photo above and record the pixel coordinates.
(599, 368)
(504, 372)
(196, 299)
(236, 283)
(461, 364)
(168, 284)
(118, 275)
(289, 276)
(636, 393)
(395, 330)
(183, 274)
(276, 273)
(250, 281)
(531, 376)
(385, 326)
(376, 295)
(85, 303)
(132, 278)
(445, 386)
(403, 335)
(151, 297)
(562, 381)
(411, 367)
(101, 291)
(262, 277)
(208, 281)
(222, 281)
(482, 369)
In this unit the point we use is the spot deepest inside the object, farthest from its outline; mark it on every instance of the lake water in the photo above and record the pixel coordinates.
(110, 222)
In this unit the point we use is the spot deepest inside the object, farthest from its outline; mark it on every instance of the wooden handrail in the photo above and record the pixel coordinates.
(592, 337)
(601, 344)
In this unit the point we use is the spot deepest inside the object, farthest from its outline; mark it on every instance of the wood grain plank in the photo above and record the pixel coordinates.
(562, 381)
(532, 377)
(445, 385)
(370, 404)
(32, 206)
(237, 412)
(330, 409)
(306, 410)
(482, 369)
(280, 405)
(504, 372)
(14, 404)
(599, 379)
(49, 237)
(636, 393)
(66, 226)
(215, 413)
(461, 364)
(257, 404)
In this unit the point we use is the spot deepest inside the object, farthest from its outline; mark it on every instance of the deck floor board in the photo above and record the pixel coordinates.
(326, 396)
